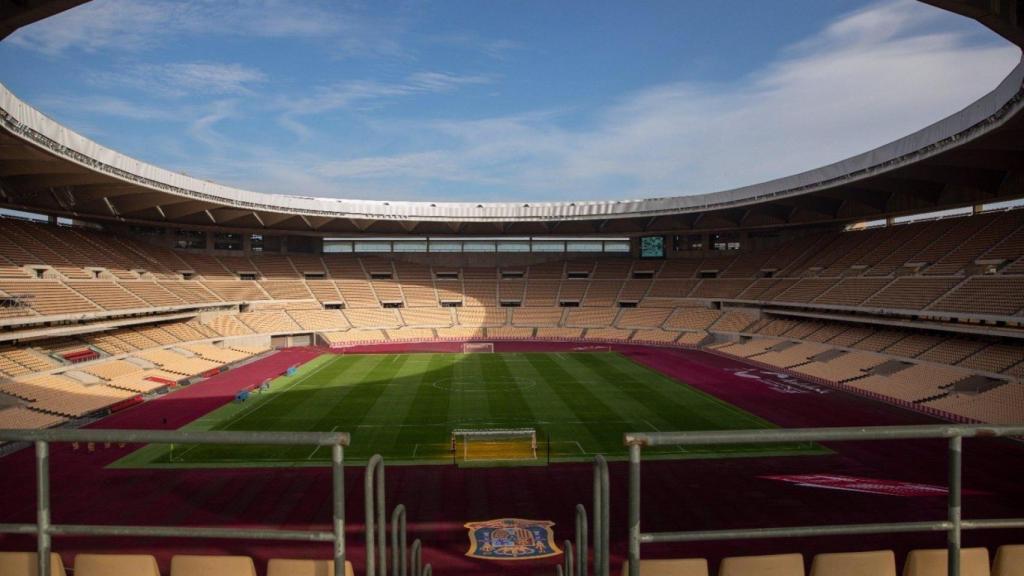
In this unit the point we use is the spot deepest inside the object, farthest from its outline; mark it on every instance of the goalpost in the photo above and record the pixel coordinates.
(494, 444)
(477, 347)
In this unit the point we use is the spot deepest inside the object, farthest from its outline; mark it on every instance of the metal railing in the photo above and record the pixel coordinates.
(44, 530)
(400, 553)
(376, 545)
(953, 524)
(373, 499)
(574, 562)
(602, 531)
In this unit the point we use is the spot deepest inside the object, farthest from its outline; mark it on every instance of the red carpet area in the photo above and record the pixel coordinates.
(689, 494)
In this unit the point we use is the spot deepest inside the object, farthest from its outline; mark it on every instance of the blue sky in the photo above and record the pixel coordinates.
(499, 100)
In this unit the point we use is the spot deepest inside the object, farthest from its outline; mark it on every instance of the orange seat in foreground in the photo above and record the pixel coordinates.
(285, 567)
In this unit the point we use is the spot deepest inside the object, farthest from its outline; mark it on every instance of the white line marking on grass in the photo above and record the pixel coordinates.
(656, 429)
(181, 456)
(311, 454)
(276, 394)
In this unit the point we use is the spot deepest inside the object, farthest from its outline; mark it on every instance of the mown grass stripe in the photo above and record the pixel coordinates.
(505, 396)
(399, 405)
(575, 393)
(430, 403)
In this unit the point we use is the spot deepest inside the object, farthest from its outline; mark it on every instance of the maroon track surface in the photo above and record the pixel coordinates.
(677, 495)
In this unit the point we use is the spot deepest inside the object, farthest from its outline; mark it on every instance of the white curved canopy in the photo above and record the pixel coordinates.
(987, 113)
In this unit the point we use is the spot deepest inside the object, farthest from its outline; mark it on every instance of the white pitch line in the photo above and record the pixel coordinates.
(311, 454)
(181, 456)
(278, 391)
(656, 429)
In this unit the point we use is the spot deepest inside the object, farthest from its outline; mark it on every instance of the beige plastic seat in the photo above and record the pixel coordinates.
(772, 565)
(285, 567)
(670, 567)
(107, 564)
(875, 563)
(24, 564)
(1009, 561)
(212, 566)
(973, 562)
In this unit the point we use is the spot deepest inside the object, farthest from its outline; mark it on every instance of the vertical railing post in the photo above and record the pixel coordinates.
(399, 553)
(417, 557)
(43, 506)
(373, 500)
(581, 540)
(569, 568)
(596, 543)
(634, 509)
(382, 554)
(338, 482)
(954, 515)
(601, 517)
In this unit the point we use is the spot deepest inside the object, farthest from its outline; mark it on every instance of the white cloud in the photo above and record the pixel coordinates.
(202, 126)
(105, 106)
(433, 165)
(132, 25)
(870, 77)
(121, 24)
(366, 95)
(865, 79)
(183, 78)
(441, 81)
(497, 48)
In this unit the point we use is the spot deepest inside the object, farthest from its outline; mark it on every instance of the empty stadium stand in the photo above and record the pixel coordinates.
(847, 314)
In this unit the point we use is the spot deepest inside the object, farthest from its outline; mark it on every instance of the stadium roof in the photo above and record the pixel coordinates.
(972, 157)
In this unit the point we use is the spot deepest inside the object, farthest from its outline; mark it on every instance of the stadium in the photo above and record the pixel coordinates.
(819, 374)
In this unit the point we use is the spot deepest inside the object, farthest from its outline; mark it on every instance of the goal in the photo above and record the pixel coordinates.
(494, 444)
(477, 347)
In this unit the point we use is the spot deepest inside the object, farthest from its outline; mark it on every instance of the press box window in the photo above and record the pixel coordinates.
(227, 241)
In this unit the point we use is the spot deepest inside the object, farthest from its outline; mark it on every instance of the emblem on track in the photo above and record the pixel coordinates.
(511, 539)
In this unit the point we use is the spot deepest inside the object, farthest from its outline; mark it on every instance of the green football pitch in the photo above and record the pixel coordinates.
(405, 406)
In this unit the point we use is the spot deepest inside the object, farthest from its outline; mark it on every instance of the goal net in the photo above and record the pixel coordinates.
(494, 444)
(477, 347)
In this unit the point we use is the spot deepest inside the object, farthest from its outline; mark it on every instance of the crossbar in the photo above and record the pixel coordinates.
(44, 530)
(953, 525)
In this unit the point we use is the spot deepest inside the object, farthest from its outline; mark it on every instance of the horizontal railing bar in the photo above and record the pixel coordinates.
(793, 532)
(171, 532)
(190, 532)
(772, 436)
(828, 530)
(992, 524)
(178, 437)
(18, 528)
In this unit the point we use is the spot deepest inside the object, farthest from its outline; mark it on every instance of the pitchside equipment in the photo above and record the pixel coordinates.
(494, 444)
(477, 347)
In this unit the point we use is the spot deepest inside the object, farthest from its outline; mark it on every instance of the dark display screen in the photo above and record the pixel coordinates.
(652, 247)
